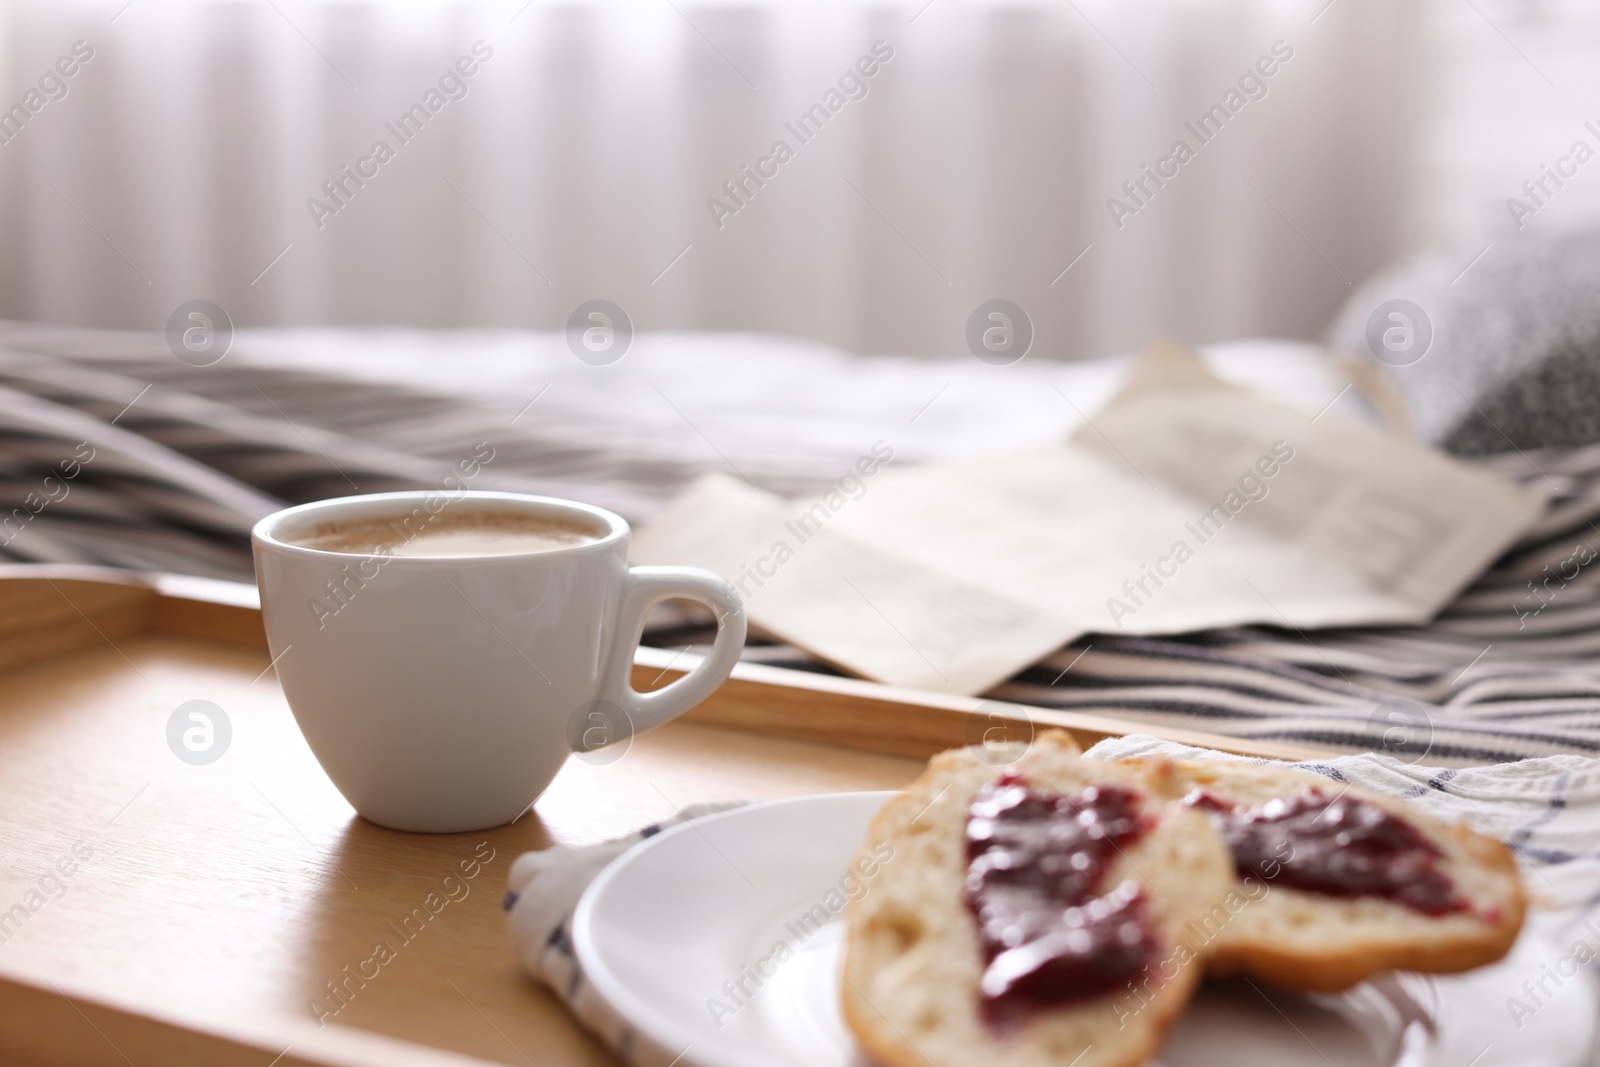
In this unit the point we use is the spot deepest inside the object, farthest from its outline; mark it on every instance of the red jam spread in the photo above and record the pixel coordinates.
(1049, 934)
(1339, 846)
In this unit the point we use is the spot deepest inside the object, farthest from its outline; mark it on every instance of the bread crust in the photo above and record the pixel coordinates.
(912, 957)
(893, 1015)
(1363, 937)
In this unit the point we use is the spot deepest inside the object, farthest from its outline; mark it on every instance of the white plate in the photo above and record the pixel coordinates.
(665, 933)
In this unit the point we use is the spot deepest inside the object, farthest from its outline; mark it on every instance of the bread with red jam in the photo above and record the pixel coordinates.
(1032, 914)
(1342, 883)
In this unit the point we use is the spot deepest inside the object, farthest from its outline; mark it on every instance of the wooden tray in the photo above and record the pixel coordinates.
(153, 912)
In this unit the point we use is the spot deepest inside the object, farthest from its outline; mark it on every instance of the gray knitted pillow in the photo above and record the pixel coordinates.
(1504, 354)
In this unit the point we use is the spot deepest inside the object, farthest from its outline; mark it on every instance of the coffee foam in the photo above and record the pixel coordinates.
(448, 534)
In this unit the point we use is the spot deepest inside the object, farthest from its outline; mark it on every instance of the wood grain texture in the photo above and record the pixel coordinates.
(227, 895)
(231, 623)
(47, 616)
(902, 722)
(155, 912)
(52, 615)
(72, 608)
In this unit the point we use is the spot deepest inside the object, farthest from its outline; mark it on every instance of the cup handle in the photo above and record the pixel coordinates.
(644, 587)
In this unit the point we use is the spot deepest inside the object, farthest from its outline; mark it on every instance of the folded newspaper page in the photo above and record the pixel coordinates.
(1186, 503)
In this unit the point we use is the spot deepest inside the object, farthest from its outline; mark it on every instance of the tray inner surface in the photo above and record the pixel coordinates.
(227, 897)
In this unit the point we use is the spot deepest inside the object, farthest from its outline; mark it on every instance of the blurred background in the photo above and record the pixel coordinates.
(578, 161)
(260, 253)
(392, 212)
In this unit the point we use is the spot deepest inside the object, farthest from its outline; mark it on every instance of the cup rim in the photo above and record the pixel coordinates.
(268, 532)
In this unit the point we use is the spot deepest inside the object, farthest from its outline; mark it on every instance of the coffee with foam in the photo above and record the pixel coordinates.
(449, 534)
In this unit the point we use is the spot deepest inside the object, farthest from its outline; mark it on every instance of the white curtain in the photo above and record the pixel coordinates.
(1516, 92)
(580, 160)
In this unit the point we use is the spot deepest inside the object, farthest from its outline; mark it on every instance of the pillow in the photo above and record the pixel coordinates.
(1490, 355)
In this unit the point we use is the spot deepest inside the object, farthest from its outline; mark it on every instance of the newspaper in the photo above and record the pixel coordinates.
(1185, 503)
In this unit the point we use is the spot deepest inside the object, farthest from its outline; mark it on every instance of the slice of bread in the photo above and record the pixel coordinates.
(914, 960)
(1310, 940)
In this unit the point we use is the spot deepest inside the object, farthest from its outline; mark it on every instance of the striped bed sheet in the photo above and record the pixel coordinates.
(1510, 670)
(114, 453)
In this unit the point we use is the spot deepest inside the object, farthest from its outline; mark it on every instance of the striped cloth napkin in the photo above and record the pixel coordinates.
(542, 893)
(1547, 810)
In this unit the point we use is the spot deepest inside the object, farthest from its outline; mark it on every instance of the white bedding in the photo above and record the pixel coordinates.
(302, 414)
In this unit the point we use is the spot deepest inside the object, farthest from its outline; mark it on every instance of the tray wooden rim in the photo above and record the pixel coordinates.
(850, 712)
(64, 609)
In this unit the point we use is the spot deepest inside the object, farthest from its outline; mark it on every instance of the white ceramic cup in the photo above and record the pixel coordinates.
(443, 694)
